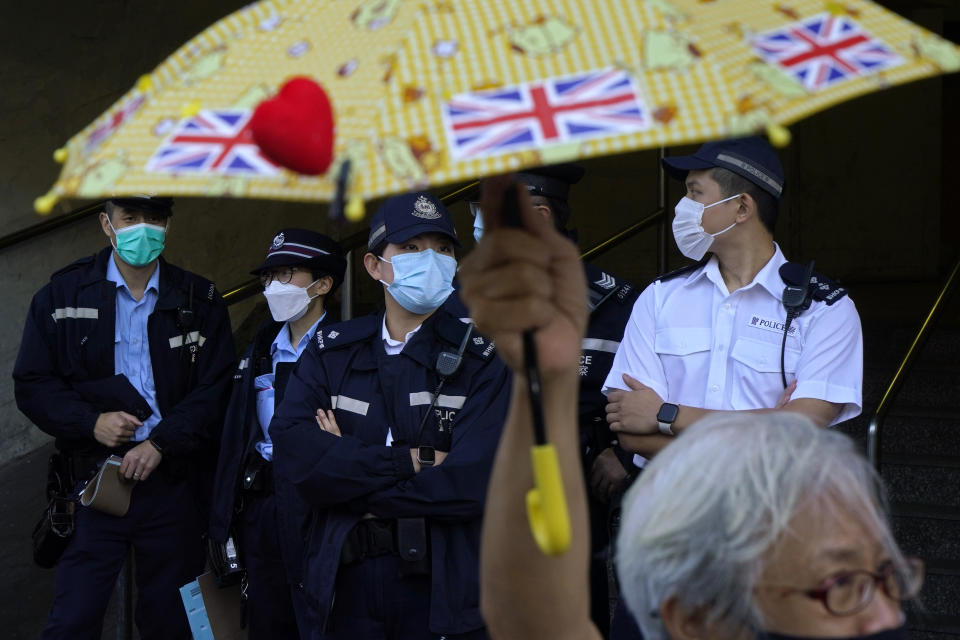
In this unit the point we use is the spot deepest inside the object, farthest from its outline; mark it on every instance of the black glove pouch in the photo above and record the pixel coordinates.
(225, 560)
(412, 547)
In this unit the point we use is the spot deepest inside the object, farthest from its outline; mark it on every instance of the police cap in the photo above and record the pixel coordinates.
(146, 204)
(302, 247)
(553, 181)
(402, 217)
(752, 158)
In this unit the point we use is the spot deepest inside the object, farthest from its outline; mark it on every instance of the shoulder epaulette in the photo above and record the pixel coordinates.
(73, 266)
(342, 334)
(821, 288)
(203, 289)
(601, 286)
(452, 329)
(676, 273)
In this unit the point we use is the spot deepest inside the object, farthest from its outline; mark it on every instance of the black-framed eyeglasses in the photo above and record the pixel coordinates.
(850, 592)
(282, 275)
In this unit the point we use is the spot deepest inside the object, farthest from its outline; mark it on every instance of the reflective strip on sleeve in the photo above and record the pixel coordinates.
(448, 402)
(350, 404)
(596, 344)
(193, 337)
(76, 312)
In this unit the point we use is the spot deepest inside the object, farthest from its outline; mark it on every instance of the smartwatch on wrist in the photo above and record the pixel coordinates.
(665, 417)
(426, 456)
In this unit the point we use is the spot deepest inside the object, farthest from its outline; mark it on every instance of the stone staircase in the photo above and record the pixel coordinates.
(920, 454)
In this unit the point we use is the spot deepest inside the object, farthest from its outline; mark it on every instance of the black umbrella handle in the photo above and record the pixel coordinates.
(510, 210)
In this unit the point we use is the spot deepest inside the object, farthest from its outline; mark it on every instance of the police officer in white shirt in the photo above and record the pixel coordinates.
(741, 330)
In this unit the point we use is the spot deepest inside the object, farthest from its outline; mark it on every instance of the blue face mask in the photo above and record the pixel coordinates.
(139, 244)
(422, 280)
(899, 633)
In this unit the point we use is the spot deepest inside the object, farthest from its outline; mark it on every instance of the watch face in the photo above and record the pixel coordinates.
(668, 413)
(426, 456)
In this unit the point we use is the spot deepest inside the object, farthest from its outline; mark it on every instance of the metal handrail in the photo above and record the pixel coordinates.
(876, 422)
(50, 224)
(622, 236)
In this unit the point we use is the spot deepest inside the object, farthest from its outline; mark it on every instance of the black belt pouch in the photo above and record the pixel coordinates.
(412, 547)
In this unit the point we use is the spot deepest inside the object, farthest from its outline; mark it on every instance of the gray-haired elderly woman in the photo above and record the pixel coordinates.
(761, 522)
(761, 526)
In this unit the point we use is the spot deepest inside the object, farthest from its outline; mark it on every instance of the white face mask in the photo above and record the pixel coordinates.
(688, 232)
(288, 302)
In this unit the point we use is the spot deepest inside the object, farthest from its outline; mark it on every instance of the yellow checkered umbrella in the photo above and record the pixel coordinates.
(429, 92)
(438, 91)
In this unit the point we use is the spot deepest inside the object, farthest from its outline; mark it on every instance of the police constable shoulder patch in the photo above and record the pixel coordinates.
(821, 288)
(451, 329)
(343, 334)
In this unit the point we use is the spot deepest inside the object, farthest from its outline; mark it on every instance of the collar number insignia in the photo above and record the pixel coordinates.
(478, 341)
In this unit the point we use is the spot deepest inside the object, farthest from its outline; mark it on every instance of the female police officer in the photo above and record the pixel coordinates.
(301, 270)
(391, 485)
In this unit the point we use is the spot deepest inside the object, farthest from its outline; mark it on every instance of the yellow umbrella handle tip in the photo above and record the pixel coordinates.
(779, 135)
(144, 83)
(44, 204)
(355, 210)
(547, 504)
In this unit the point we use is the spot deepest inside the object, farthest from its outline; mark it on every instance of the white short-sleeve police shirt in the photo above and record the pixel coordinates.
(698, 345)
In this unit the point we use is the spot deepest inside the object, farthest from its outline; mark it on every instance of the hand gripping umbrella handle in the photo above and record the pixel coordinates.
(546, 503)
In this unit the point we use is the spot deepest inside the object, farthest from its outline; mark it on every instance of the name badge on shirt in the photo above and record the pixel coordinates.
(772, 324)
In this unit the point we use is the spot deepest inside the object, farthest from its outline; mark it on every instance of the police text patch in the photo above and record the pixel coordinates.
(771, 324)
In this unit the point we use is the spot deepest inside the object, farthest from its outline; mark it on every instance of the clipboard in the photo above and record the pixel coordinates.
(214, 613)
(108, 491)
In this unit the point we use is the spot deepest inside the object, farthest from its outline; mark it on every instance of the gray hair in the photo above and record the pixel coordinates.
(705, 513)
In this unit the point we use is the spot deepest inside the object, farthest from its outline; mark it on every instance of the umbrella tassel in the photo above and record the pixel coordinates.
(337, 208)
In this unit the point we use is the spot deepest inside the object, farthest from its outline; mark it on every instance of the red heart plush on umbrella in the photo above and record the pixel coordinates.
(294, 129)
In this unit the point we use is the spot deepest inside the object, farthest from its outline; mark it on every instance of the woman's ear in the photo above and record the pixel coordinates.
(372, 264)
(323, 286)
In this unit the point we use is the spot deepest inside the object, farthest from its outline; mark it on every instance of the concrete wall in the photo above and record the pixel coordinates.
(864, 179)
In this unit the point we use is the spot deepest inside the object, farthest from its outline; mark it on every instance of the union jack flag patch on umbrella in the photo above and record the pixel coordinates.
(597, 104)
(825, 50)
(213, 142)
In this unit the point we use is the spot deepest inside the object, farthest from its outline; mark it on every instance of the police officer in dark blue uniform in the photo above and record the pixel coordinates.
(608, 467)
(393, 481)
(125, 354)
(302, 269)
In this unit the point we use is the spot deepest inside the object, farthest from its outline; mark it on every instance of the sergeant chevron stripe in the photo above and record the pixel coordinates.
(607, 281)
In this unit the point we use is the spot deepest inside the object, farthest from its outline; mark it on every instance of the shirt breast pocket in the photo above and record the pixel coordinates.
(685, 356)
(756, 365)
